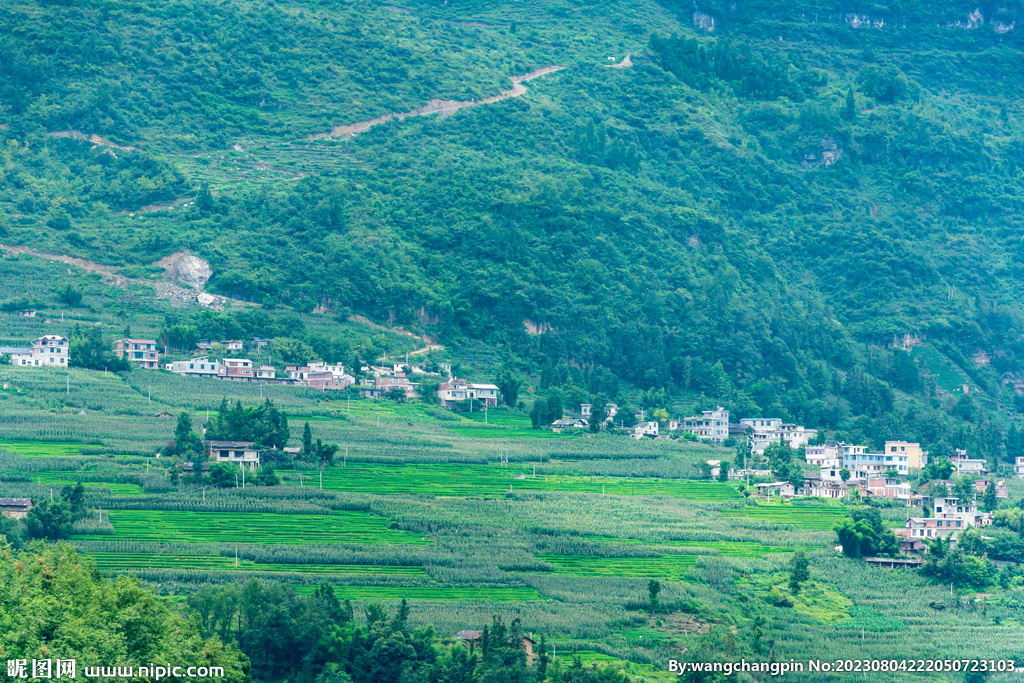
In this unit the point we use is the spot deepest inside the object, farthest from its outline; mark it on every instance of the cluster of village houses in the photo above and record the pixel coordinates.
(866, 469)
(54, 351)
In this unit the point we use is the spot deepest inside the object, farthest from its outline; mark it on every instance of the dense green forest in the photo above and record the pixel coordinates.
(750, 214)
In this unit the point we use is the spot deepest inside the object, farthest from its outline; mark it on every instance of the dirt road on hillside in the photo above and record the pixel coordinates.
(441, 107)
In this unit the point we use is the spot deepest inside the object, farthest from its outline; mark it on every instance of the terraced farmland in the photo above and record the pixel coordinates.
(130, 561)
(264, 528)
(42, 449)
(55, 478)
(497, 432)
(666, 567)
(483, 594)
(748, 549)
(818, 517)
(491, 480)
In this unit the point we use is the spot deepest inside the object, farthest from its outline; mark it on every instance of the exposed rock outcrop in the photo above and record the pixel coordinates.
(190, 270)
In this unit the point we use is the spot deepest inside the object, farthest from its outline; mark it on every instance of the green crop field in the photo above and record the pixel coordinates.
(42, 449)
(58, 478)
(500, 417)
(130, 561)
(820, 517)
(489, 480)
(727, 548)
(498, 432)
(460, 593)
(264, 528)
(666, 567)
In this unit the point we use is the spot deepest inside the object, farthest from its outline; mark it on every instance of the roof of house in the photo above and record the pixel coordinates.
(15, 502)
(230, 444)
(467, 635)
(484, 386)
(137, 341)
(52, 336)
(163, 413)
(14, 350)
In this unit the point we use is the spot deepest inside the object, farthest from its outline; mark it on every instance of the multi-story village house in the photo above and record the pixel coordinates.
(711, 424)
(48, 351)
(141, 353)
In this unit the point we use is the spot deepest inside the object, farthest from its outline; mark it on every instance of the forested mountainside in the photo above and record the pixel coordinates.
(752, 206)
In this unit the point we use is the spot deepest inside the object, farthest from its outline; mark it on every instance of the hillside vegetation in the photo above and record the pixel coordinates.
(752, 213)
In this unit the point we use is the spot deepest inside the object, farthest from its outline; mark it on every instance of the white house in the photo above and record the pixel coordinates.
(761, 424)
(233, 344)
(863, 464)
(768, 430)
(455, 390)
(823, 455)
(777, 488)
(712, 424)
(796, 435)
(235, 452)
(50, 351)
(814, 486)
(488, 393)
(965, 465)
(195, 367)
(643, 429)
(568, 423)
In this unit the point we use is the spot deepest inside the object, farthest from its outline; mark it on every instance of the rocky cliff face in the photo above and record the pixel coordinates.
(190, 270)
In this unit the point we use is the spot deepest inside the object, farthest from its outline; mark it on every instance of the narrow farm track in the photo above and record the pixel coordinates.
(442, 107)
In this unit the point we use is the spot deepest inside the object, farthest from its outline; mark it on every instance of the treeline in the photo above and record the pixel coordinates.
(95, 621)
(317, 639)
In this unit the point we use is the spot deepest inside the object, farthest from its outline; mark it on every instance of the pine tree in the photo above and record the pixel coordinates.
(307, 440)
(990, 501)
(850, 111)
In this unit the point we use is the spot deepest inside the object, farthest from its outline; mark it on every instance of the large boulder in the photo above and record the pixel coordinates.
(190, 270)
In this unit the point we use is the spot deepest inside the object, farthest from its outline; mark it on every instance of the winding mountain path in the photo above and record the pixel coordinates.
(442, 107)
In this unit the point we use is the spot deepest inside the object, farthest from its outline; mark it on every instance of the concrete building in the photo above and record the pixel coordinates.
(815, 487)
(141, 353)
(916, 458)
(195, 367)
(51, 351)
(325, 381)
(823, 455)
(456, 390)
(235, 452)
(863, 464)
(768, 430)
(237, 369)
(761, 424)
(712, 424)
(648, 429)
(776, 488)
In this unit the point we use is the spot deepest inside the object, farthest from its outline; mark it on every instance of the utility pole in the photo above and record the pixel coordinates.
(344, 463)
(68, 380)
(321, 478)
